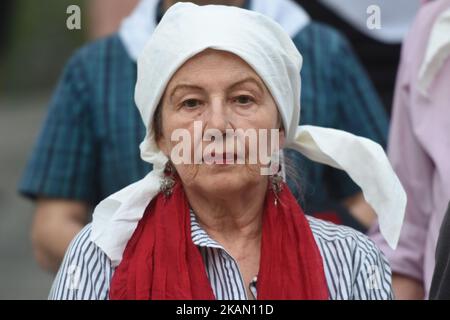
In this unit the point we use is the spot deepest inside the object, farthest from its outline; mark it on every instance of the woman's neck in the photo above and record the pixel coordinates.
(231, 219)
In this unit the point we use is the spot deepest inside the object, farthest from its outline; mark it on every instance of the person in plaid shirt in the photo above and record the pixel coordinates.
(88, 147)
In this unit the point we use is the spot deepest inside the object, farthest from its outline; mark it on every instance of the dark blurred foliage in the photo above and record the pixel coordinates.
(35, 43)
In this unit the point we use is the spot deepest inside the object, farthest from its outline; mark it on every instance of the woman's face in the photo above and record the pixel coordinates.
(220, 91)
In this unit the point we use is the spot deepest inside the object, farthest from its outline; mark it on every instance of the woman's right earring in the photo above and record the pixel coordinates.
(168, 182)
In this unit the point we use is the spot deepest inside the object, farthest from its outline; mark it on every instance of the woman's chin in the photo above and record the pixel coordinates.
(225, 179)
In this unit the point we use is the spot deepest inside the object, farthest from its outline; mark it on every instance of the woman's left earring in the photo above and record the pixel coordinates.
(276, 183)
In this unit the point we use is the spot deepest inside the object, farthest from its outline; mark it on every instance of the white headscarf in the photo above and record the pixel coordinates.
(186, 30)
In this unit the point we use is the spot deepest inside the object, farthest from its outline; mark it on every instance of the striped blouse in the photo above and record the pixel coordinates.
(354, 267)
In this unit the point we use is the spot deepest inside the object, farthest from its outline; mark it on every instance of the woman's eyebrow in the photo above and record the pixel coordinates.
(248, 79)
(184, 87)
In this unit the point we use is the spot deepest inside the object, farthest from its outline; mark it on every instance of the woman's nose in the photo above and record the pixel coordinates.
(218, 116)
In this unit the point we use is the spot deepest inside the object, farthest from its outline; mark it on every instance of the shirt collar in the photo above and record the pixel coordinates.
(199, 236)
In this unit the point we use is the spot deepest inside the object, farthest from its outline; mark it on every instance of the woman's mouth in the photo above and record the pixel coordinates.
(220, 159)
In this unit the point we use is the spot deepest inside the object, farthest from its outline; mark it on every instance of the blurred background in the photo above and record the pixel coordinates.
(35, 44)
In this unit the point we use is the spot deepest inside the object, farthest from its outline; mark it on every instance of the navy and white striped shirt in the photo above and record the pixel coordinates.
(354, 267)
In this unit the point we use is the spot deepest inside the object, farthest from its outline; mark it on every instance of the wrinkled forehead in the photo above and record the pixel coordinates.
(214, 67)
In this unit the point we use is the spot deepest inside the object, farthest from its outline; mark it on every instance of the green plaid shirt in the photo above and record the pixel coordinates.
(88, 147)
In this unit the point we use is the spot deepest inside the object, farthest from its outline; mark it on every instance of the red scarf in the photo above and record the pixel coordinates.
(161, 261)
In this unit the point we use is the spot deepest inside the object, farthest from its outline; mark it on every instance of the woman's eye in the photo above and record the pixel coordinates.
(190, 103)
(244, 99)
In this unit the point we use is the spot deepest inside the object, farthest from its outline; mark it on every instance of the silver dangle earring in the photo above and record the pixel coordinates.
(168, 182)
(276, 184)
(276, 177)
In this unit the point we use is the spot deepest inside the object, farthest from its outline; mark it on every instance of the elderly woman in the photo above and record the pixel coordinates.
(220, 228)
